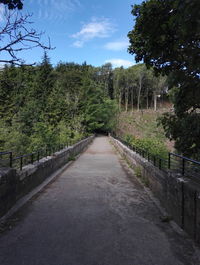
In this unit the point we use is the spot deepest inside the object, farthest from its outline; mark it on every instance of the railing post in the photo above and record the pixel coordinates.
(10, 159)
(169, 160)
(160, 163)
(154, 160)
(183, 205)
(183, 166)
(21, 162)
(32, 158)
(38, 156)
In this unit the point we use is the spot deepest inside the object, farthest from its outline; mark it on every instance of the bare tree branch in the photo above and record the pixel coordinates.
(17, 35)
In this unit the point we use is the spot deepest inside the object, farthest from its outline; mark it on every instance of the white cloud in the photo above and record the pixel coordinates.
(119, 62)
(63, 5)
(117, 45)
(97, 28)
(55, 10)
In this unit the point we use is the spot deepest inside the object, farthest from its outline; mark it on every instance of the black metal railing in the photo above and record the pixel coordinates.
(177, 163)
(8, 159)
(183, 165)
(156, 160)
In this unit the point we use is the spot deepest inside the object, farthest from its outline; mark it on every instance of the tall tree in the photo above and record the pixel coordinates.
(119, 83)
(106, 77)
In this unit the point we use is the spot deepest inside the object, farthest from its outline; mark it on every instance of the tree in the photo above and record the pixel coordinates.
(105, 75)
(119, 83)
(167, 36)
(141, 72)
(159, 85)
(99, 111)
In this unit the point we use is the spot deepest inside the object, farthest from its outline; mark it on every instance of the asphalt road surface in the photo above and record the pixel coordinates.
(95, 213)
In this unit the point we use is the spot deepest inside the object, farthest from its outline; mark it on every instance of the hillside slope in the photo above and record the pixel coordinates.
(143, 124)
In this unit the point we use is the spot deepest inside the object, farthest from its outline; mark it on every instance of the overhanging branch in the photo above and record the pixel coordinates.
(16, 35)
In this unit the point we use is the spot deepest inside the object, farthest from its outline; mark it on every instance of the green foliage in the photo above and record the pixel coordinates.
(151, 145)
(166, 35)
(71, 158)
(12, 138)
(99, 111)
(138, 172)
(185, 130)
(44, 135)
(42, 106)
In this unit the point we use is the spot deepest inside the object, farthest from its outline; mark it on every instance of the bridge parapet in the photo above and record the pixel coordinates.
(14, 184)
(179, 195)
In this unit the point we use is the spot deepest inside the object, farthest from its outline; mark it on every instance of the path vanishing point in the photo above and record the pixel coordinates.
(94, 213)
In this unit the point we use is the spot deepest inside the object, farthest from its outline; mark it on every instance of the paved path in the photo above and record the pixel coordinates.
(93, 214)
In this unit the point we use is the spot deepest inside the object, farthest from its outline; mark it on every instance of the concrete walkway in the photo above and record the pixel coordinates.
(93, 214)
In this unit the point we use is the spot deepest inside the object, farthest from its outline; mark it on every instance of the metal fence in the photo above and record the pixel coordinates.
(174, 162)
(8, 159)
(184, 165)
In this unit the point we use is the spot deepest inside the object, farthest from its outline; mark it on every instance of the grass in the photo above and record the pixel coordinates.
(72, 158)
(138, 174)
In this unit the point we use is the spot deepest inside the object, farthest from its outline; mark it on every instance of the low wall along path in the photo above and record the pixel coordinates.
(180, 196)
(14, 184)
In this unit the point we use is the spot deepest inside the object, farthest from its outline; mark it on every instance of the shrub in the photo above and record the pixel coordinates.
(151, 145)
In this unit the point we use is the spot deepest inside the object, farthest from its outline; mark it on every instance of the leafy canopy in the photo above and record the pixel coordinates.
(166, 35)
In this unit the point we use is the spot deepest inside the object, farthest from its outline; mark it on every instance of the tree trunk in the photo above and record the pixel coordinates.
(155, 101)
(132, 99)
(120, 100)
(147, 98)
(139, 92)
(126, 99)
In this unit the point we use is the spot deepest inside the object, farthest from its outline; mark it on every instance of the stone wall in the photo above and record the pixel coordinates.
(14, 184)
(179, 196)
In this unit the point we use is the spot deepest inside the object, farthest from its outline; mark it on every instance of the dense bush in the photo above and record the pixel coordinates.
(151, 145)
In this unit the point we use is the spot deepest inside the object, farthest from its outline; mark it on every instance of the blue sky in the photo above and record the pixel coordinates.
(83, 30)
